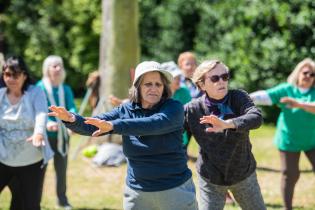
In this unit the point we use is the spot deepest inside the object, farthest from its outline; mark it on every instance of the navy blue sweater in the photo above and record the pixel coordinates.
(152, 143)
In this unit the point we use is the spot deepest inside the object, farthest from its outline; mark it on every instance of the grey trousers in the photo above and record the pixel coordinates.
(247, 194)
(182, 197)
(60, 165)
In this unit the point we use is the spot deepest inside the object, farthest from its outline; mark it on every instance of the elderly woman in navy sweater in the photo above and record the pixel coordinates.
(220, 121)
(151, 125)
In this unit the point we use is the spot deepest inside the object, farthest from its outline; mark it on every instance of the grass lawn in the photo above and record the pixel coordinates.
(92, 188)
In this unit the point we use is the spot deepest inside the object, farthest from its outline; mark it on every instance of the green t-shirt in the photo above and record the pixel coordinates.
(295, 127)
(183, 95)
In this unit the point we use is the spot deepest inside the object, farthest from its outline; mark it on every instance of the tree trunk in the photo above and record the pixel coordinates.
(119, 47)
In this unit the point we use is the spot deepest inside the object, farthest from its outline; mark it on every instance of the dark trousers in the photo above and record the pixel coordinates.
(60, 165)
(291, 173)
(16, 200)
(27, 182)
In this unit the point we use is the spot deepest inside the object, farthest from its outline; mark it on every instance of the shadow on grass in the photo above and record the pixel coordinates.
(278, 206)
(259, 168)
(274, 206)
(271, 206)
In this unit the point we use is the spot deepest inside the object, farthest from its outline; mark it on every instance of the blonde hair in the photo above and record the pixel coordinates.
(50, 60)
(203, 68)
(184, 56)
(294, 76)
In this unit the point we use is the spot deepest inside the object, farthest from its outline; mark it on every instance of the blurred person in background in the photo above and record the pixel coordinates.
(179, 92)
(295, 131)
(58, 94)
(24, 149)
(187, 62)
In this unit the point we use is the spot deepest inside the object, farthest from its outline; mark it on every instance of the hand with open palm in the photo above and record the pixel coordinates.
(218, 125)
(103, 125)
(61, 113)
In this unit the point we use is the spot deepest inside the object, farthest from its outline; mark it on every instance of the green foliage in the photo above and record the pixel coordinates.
(167, 27)
(71, 29)
(261, 41)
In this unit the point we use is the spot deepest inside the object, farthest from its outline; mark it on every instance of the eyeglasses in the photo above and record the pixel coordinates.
(150, 85)
(309, 74)
(215, 78)
(13, 75)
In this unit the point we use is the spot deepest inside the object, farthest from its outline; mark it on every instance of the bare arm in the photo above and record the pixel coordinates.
(261, 97)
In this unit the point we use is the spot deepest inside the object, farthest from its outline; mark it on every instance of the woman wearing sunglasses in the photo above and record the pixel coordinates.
(220, 121)
(295, 127)
(24, 148)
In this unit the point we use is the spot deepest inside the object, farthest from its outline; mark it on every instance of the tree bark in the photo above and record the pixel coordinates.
(119, 47)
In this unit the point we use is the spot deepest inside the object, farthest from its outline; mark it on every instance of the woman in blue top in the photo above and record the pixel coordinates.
(151, 125)
(58, 94)
(24, 149)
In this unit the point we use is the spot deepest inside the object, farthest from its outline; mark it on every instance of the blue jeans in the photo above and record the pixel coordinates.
(247, 194)
(182, 197)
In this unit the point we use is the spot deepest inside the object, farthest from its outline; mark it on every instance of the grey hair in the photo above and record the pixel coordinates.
(135, 92)
(203, 68)
(294, 76)
(50, 60)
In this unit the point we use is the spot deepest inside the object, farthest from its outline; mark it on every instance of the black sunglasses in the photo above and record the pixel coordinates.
(13, 75)
(215, 78)
(309, 74)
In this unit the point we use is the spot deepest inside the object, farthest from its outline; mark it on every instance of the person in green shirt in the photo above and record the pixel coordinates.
(179, 92)
(295, 131)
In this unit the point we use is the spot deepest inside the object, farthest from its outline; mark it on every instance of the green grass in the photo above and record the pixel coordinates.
(94, 188)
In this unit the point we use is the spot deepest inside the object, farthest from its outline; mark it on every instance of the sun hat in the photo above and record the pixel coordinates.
(172, 68)
(149, 66)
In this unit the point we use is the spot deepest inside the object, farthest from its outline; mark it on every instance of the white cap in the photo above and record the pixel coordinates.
(149, 66)
(172, 68)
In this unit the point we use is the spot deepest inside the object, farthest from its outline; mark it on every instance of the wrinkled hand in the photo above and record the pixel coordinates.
(218, 125)
(104, 126)
(37, 140)
(290, 102)
(61, 113)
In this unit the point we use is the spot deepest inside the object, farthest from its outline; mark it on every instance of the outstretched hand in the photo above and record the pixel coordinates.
(103, 125)
(61, 113)
(218, 125)
(290, 102)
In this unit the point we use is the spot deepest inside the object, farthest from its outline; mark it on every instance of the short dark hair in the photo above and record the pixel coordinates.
(16, 64)
(135, 93)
